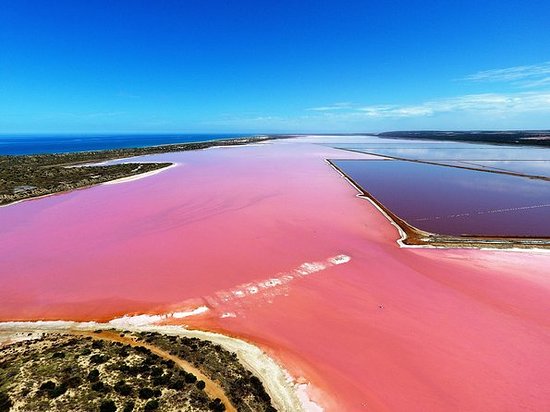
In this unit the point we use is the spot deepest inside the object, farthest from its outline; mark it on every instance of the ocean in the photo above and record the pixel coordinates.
(66, 143)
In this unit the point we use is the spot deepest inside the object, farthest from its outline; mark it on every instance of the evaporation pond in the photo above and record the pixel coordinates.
(453, 201)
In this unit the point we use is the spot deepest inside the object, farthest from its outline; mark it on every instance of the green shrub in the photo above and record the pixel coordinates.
(5, 402)
(57, 391)
(177, 384)
(216, 405)
(72, 382)
(93, 376)
(98, 359)
(128, 406)
(107, 406)
(122, 388)
(47, 386)
(190, 378)
(97, 344)
(99, 387)
(152, 405)
(146, 393)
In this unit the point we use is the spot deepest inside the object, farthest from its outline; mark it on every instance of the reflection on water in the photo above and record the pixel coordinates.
(453, 152)
(532, 168)
(454, 201)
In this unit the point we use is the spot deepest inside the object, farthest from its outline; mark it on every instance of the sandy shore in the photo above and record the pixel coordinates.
(139, 176)
(110, 182)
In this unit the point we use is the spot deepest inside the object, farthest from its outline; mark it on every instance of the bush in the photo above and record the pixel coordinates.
(122, 388)
(97, 344)
(201, 385)
(161, 380)
(190, 378)
(156, 371)
(146, 393)
(107, 406)
(177, 385)
(47, 386)
(98, 386)
(216, 405)
(5, 402)
(93, 376)
(98, 359)
(152, 405)
(128, 406)
(72, 382)
(143, 350)
(57, 391)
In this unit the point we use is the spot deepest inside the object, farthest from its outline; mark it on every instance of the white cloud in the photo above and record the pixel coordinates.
(524, 76)
(335, 106)
(488, 103)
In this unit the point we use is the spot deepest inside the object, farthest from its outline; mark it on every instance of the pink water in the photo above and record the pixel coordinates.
(392, 329)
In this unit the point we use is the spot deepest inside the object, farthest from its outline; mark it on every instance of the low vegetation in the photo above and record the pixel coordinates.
(65, 372)
(244, 389)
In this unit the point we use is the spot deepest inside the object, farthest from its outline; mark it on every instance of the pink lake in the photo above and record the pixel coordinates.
(277, 245)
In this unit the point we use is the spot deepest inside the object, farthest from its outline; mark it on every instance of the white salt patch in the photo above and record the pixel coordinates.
(307, 404)
(338, 260)
(274, 286)
(309, 268)
(196, 311)
(144, 320)
(270, 283)
(137, 320)
(252, 290)
(228, 315)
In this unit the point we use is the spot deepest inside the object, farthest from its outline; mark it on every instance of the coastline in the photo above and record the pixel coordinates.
(114, 181)
(139, 176)
(99, 158)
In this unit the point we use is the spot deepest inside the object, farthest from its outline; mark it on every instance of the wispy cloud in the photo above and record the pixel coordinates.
(487, 103)
(526, 76)
(332, 107)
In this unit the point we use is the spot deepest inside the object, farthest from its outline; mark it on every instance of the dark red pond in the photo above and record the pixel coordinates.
(453, 201)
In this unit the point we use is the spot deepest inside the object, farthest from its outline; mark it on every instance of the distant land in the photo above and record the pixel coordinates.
(24, 144)
(523, 137)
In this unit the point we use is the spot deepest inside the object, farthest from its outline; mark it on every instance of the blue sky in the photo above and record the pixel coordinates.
(273, 66)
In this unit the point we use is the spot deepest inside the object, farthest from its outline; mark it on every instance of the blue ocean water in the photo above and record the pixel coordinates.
(34, 144)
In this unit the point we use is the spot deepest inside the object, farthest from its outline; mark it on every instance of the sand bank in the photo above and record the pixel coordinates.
(139, 176)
